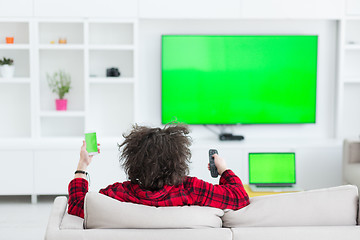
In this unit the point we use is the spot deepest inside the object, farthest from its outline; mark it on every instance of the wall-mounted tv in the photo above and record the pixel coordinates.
(242, 79)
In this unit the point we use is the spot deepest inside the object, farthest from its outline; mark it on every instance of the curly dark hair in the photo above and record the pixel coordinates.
(154, 157)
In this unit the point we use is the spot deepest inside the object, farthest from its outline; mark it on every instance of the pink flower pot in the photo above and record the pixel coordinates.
(61, 104)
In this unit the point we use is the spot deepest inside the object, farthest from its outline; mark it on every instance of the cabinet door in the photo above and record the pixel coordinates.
(85, 8)
(54, 170)
(16, 8)
(319, 9)
(318, 167)
(234, 158)
(16, 172)
(189, 9)
(353, 7)
(105, 169)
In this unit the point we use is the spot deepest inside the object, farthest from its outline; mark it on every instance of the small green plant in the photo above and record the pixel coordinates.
(59, 82)
(6, 61)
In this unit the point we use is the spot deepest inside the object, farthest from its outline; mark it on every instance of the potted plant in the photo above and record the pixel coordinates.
(60, 83)
(7, 67)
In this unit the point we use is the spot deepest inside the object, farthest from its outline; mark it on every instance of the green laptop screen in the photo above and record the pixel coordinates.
(271, 168)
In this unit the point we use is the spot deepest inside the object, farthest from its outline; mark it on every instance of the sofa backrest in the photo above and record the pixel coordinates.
(104, 212)
(337, 206)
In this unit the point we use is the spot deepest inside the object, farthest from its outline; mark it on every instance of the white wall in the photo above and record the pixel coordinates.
(318, 162)
(149, 101)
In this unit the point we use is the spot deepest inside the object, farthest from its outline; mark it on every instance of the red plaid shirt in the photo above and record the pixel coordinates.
(229, 194)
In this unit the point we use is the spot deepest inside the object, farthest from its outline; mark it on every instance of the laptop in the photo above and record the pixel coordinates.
(272, 172)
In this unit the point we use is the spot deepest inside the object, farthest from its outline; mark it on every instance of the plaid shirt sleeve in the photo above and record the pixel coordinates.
(229, 194)
(78, 188)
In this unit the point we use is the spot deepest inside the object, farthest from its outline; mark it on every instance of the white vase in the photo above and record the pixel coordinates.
(7, 71)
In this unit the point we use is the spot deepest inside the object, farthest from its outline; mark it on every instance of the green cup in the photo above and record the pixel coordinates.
(91, 143)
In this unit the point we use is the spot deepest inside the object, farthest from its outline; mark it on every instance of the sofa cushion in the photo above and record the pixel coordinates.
(297, 233)
(71, 222)
(104, 212)
(322, 207)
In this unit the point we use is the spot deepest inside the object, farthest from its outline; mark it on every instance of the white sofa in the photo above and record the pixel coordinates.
(330, 213)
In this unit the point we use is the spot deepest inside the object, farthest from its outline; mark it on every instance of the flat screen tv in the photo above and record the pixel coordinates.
(242, 79)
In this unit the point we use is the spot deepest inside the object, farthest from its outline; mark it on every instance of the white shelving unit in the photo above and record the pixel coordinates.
(15, 80)
(92, 47)
(14, 47)
(348, 87)
(111, 44)
(104, 104)
(62, 114)
(16, 117)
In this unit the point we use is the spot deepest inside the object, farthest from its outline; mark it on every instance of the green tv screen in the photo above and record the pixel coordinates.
(268, 168)
(211, 79)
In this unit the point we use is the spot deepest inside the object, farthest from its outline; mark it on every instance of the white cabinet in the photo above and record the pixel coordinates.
(16, 8)
(16, 172)
(85, 8)
(53, 170)
(303, 9)
(185, 9)
(231, 9)
(317, 163)
(349, 78)
(352, 7)
(105, 169)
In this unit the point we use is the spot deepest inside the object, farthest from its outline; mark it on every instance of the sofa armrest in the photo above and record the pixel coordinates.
(56, 216)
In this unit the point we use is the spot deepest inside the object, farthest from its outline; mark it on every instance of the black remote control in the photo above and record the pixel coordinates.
(213, 169)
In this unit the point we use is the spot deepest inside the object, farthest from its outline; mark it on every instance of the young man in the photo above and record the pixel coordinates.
(156, 161)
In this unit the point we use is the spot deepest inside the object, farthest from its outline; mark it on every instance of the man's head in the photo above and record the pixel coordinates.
(154, 157)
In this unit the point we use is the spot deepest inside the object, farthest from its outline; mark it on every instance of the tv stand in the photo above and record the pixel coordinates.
(230, 137)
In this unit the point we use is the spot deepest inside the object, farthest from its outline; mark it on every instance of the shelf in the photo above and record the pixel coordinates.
(118, 80)
(55, 143)
(352, 17)
(62, 126)
(111, 33)
(62, 114)
(351, 63)
(15, 80)
(73, 32)
(19, 30)
(61, 46)
(352, 79)
(110, 100)
(352, 35)
(14, 46)
(15, 105)
(111, 47)
(100, 60)
(21, 59)
(352, 46)
(72, 62)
